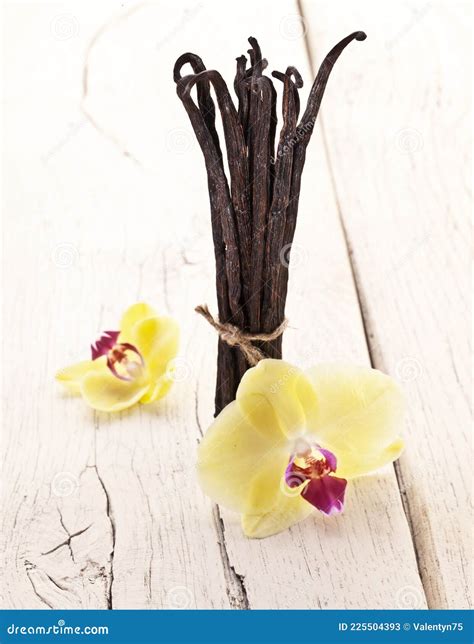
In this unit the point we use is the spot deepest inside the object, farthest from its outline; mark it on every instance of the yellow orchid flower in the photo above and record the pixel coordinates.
(274, 452)
(128, 366)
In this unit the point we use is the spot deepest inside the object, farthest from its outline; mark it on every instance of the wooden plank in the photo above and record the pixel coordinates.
(105, 511)
(98, 245)
(398, 146)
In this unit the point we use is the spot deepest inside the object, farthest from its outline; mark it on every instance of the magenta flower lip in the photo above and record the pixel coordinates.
(104, 344)
(116, 353)
(323, 490)
(326, 494)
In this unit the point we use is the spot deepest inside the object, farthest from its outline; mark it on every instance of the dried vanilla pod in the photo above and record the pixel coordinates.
(253, 214)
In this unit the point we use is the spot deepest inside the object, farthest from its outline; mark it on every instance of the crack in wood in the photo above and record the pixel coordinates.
(235, 583)
(67, 542)
(409, 518)
(369, 332)
(370, 341)
(108, 509)
(55, 583)
(85, 83)
(35, 590)
(59, 580)
(196, 409)
(148, 574)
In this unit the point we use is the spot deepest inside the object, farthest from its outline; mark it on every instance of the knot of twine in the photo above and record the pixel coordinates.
(235, 337)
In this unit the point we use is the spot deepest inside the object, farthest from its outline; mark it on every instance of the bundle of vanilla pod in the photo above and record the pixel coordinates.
(254, 210)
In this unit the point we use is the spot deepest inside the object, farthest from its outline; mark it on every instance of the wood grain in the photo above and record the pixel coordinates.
(399, 161)
(105, 511)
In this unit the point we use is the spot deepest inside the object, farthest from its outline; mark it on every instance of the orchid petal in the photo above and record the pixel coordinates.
(104, 392)
(134, 314)
(285, 392)
(275, 506)
(231, 456)
(157, 339)
(71, 377)
(358, 416)
(157, 390)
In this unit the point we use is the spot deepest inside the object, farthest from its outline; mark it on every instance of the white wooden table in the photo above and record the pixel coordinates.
(106, 204)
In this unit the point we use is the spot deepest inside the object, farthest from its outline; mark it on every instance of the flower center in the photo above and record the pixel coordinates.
(301, 447)
(125, 362)
(312, 464)
(123, 359)
(310, 473)
(308, 461)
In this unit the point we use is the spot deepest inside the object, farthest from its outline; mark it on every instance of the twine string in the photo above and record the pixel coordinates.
(235, 337)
